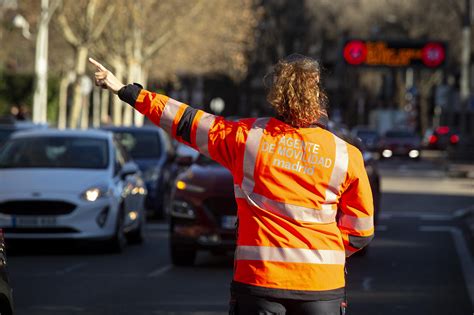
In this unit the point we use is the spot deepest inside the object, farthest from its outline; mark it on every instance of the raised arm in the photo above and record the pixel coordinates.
(211, 135)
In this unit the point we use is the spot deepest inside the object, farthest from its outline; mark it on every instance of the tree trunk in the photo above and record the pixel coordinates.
(63, 95)
(104, 108)
(134, 75)
(117, 104)
(85, 111)
(40, 98)
(77, 103)
(96, 112)
(139, 118)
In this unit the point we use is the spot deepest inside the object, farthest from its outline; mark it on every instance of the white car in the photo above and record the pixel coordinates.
(70, 185)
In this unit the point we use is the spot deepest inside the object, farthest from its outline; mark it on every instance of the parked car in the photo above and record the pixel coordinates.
(6, 295)
(402, 143)
(204, 211)
(369, 137)
(8, 126)
(152, 150)
(441, 138)
(70, 185)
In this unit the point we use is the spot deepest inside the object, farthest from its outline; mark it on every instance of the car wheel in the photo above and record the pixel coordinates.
(137, 236)
(119, 240)
(183, 257)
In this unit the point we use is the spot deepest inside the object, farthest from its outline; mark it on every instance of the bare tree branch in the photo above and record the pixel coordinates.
(68, 33)
(97, 31)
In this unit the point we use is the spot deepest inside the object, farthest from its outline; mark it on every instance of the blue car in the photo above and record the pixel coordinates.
(152, 150)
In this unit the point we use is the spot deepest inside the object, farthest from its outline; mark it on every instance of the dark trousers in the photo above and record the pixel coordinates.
(253, 305)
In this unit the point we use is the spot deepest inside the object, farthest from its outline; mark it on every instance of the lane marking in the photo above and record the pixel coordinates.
(437, 217)
(417, 215)
(70, 268)
(62, 308)
(464, 254)
(158, 272)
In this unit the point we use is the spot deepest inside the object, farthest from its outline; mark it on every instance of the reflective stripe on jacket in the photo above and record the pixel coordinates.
(304, 199)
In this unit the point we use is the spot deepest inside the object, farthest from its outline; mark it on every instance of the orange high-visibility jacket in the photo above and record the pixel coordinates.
(304, 199)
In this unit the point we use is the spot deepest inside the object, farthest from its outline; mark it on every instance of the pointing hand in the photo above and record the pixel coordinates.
(104, 78)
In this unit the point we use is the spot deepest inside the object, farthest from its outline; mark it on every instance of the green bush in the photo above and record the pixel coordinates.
(18, 89)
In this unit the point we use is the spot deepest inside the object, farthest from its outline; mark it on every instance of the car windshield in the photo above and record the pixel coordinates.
(55, 152)
(140, 144)
(4, 134)
(367, 134)
(399, 134)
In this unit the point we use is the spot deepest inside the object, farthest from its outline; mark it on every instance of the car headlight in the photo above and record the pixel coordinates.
(387, 153)
(94, 193)
(152, 174)
(181, 185)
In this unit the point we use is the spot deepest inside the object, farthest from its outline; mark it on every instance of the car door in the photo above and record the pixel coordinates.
(133, 185)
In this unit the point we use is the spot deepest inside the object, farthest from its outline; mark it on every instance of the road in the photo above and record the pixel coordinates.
(418, 263)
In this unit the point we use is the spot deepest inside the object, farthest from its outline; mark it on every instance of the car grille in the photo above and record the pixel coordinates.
(36, 207)
(220, 206)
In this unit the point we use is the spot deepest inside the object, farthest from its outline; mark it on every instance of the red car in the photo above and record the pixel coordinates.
(203, 212)
(441, 138)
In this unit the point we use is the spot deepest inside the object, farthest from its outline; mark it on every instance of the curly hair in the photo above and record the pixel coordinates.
(295, 92)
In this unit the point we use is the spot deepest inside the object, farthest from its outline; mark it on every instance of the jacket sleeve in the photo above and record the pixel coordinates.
(356, 219)
(211, 135)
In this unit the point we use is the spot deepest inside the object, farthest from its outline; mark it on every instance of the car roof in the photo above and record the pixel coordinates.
(99, 134)
(19, 125)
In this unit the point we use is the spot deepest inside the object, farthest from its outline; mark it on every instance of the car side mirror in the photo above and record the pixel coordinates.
(128, 169)
(184, 160)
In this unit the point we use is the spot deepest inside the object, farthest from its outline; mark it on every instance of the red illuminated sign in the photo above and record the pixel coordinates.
(394, 53)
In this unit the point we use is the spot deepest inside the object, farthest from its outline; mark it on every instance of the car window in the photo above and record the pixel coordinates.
(140, 144)
(123, 152)
(119, 156)
(399, 134)
(4, 134)
(55, 152)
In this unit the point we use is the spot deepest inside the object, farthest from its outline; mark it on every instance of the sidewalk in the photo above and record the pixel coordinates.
(461, 170)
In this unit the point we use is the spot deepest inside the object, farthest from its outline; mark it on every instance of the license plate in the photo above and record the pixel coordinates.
(33, 221)
(229, 221)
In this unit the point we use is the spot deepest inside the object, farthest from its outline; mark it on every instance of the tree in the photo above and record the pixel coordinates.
(163, 38)
(82, 23)
(413, 19)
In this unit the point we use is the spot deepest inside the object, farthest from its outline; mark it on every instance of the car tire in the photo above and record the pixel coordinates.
(137, 236)
(119, 241)
(183, 257)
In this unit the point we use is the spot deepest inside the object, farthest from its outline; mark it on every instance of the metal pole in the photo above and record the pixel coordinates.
(465, 67)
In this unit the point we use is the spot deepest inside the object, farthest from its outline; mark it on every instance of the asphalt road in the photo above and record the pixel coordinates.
(418, 263)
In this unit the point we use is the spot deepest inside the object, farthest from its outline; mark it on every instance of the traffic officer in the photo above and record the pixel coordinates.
(303, 196)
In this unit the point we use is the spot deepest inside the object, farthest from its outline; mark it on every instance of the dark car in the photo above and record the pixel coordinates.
(401, 143)
(368, 136)
(441, 138)
(203, 211)
(6, 299)
(152, 150)
(8, 126)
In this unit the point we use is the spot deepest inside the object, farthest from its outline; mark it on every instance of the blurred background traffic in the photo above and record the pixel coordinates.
(82, 175)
